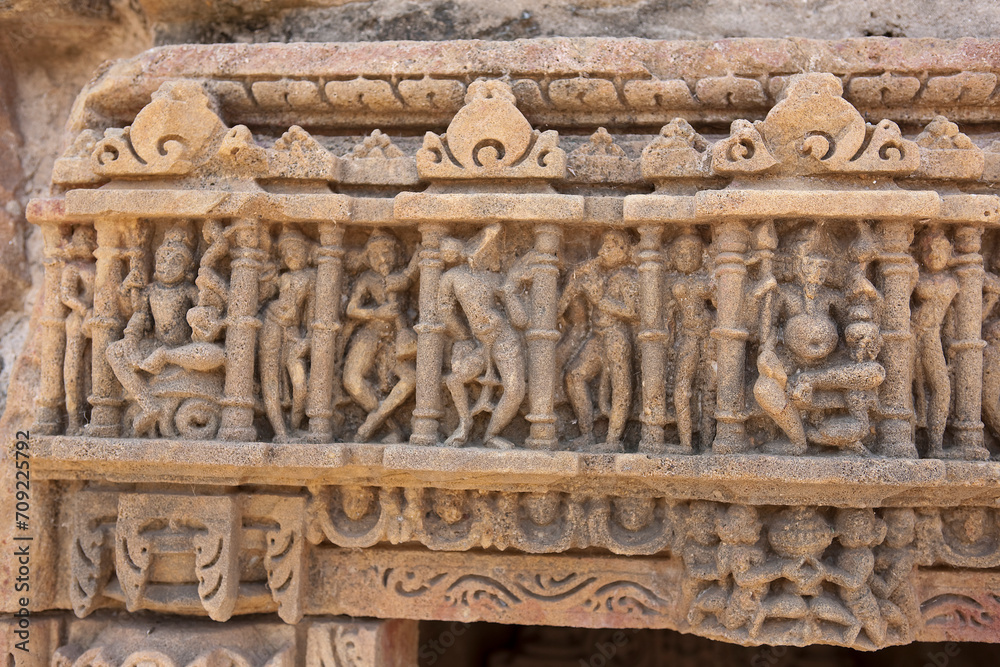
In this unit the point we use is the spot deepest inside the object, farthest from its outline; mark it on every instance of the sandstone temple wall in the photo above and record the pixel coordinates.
(318, 340)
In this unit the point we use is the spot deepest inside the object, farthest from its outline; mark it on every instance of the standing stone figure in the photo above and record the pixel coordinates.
(76, 291)
(991, 354)
(933, 295)
(385, 341)
(609, 286)
(284, 337)
(490, 344)
(691, 299)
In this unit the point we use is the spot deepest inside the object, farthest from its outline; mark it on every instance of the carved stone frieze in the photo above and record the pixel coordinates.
(380, 341)
(750, 574)
(324, 642)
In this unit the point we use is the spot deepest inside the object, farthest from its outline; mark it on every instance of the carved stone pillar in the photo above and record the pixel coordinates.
(543, 337)
(325, 325)
(430, 339)
(241, 332)
(51, 391)
(732, 239)
(967, 349)
(106, 394)
(652, 338)
(897, 271)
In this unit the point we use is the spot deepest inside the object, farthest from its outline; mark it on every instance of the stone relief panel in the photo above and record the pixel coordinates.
(749, 574)
(500, 307)
(444, 361)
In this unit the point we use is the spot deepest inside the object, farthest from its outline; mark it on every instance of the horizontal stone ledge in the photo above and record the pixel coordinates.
(663, 84)
(712, 205)
(408, 208)
(181, 203)
(758, 479)
(487, 206)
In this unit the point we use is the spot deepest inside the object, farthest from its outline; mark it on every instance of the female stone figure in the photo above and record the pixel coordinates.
(385, 341)
(691, 299)
(991, 354)
(284, 337)
(608, 285)
(76, 291)
(933, 295)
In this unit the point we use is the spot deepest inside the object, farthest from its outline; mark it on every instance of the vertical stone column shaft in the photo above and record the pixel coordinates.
(652, 340)
(51, 391)
(898, 272)
(731, 239)
(325, 326)
(967, 349)
(543, 336)
(106, 328)
(430, 339)
(241, 332)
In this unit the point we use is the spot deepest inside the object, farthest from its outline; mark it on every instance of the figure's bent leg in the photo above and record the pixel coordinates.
(687, 364)
(358, 363)
(407, 374)
(468, 361)
(581, 370)
(619, 355)
(936, 374)
(299, 379)
(72, 373)
(270, 378)
(509, 359)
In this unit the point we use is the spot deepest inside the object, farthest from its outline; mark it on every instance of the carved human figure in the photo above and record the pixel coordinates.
(76, 291)
(284, 336)
(798, 536)
(852, 571)
(894, 565)
(162, 306)
(809, 335)
(690, 317)
(991, 334)
(860, 290)
(704, 590)
(385, 341)
(853, 385)
(933, 294)
(491, 343)
(608, 284)
(742, 558)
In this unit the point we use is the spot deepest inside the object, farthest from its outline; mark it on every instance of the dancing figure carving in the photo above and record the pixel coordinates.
(487, 342)
(385, 341)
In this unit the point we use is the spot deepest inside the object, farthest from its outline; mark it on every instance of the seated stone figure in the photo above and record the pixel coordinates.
(852, 386)
(162, 371)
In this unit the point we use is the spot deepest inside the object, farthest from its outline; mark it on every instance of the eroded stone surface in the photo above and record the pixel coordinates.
(735, 384)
